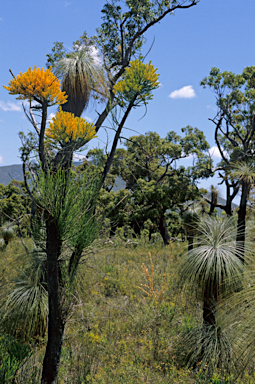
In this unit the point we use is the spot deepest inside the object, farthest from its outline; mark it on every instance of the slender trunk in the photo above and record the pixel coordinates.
(115, 141)
(228, 208)
(209, 313)
(190, 239)
(240, 236)
(211, 297)
(163, 230)
(56, 322)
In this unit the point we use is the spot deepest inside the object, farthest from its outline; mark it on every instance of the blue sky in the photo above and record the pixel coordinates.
(213, 33)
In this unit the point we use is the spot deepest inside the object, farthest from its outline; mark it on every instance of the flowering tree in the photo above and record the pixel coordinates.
(67, 203)
(135, 89)
(130, 83)
(66, 207)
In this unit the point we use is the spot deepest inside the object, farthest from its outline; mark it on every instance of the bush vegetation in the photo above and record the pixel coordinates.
(130, 322)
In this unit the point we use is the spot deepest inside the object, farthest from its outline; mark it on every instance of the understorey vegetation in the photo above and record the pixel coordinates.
(152, 282)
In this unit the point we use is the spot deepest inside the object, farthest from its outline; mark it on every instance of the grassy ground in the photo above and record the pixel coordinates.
(128, 315)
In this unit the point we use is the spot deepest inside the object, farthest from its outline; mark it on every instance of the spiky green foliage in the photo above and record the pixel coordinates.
(70, 203)
(24, 305)
(213, 262)
(190, 220)
(8, 232)
(81, 74)
(13, 355)
(237, 316)
(214, 268)
(244, 171)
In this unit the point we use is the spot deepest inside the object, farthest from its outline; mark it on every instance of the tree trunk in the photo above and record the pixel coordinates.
(163, 229)
(190, 238)
(208, 313)
(240, 236)
(56, 322)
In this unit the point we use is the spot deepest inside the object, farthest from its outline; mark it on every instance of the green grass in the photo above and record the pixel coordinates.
(117, 333)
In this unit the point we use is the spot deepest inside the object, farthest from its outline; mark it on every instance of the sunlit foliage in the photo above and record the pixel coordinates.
(138, 83)
(66, 128)
(38, 84)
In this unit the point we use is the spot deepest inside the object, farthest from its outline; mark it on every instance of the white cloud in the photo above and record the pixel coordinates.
(186, 92)
(67, 3)
(50, 117)
(215, 153)
(96, 56)
(9, 106)
(88, 118)
(77, 157)
(1, 159)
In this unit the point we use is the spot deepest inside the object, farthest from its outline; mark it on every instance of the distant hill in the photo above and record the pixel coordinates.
(11, 172)
(223, 202)
(14, 172)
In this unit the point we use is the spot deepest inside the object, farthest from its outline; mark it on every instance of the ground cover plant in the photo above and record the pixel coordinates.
(129, 315)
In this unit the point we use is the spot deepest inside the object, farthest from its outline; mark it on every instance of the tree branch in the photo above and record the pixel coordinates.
(115, 141)
(41, 137)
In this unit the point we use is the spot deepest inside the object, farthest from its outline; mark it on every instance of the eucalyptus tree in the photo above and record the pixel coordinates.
(14, 202)
(234, 133)
(157, 184)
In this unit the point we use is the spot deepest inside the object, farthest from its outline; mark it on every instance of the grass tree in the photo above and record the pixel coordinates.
(214, 199)
(8, 232)
(81, 75)
(212, 264)
(24, 305)
(214, 268)
(237, 317)
(190, 222)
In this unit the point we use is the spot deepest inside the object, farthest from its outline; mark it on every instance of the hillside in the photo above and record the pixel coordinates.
(10, 172)
(14, 172)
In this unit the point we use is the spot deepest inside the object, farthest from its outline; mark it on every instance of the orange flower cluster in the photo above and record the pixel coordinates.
(37, 84)
(66, 128)
(149, 288)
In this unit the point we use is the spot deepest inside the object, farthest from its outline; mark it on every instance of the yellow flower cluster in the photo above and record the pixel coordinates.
(139, 80)
(66, 128)
(37, 84)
